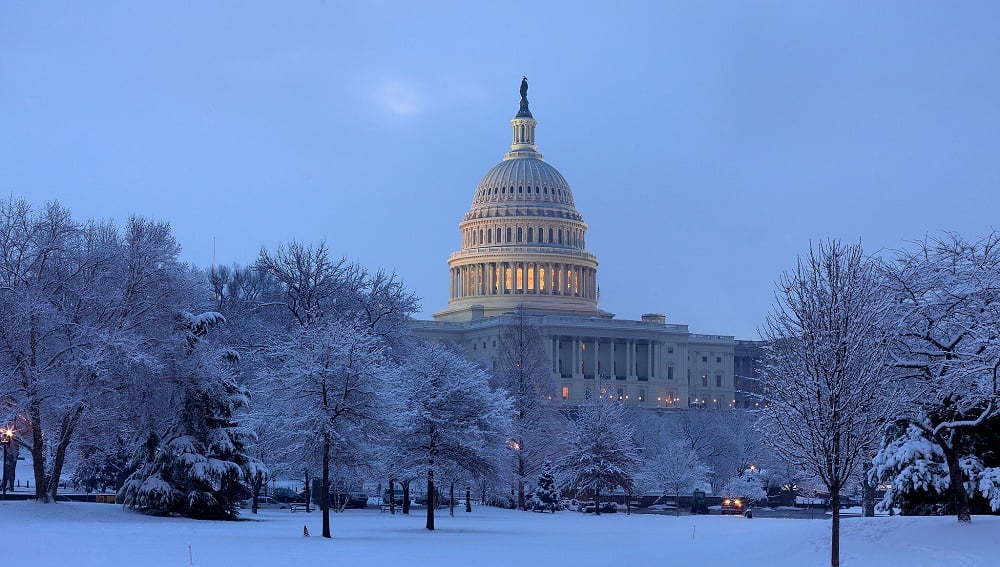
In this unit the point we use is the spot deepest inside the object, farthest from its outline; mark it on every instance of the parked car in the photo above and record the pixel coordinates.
(286, 495)
(349, 499)
(440, 500)
(397, 496)
(262, 503)
(606, 507)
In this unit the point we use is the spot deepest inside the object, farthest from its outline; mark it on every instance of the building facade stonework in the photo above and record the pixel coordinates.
(523, 251)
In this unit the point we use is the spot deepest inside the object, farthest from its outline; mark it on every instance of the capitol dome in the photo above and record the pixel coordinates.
(523, 241)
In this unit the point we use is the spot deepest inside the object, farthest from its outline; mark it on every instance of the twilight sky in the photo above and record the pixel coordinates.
(706, 142)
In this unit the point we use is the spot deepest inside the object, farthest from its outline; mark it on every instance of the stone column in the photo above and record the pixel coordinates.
(614, 368)
(649, 360)
(628, 357)
(596, 355)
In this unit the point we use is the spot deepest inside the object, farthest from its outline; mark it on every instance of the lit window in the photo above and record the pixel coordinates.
(565, 392)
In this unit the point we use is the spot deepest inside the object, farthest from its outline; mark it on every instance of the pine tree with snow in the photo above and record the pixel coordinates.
(193, 462)
(546, 495)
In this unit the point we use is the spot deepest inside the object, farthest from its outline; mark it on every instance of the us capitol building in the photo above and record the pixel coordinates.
(524, 251)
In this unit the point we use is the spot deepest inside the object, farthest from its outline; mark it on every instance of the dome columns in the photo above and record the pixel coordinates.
(498, 278)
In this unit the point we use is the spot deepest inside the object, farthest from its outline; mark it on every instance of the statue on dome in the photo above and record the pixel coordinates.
(524, 112)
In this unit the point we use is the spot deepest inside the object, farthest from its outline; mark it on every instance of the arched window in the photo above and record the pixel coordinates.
(545, 190)
(536, 189)
(503, 190)
(550, 236)
(529, 234)
(480, 241)
(489, 237)
(498, 236)
(560, 236)
(541, 234)
(508, 234)
(519, 234)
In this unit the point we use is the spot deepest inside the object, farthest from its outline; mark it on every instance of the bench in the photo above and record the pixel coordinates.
(297, 506)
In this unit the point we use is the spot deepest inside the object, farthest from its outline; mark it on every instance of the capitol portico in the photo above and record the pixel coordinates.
(523, 250)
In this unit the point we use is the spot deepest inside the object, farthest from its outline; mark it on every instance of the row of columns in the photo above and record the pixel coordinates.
(543, 278)
(584, 356)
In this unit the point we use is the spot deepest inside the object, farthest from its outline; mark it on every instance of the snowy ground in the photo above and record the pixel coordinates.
(106, 534)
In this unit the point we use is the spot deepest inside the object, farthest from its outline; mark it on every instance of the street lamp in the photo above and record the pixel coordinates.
(6, 435)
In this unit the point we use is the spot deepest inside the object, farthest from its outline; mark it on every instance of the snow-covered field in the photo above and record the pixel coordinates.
(106, 534)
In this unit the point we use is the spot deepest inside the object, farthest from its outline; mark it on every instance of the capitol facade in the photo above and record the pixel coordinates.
(523, 254)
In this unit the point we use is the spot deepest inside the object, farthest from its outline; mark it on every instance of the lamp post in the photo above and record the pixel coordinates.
(6, 434)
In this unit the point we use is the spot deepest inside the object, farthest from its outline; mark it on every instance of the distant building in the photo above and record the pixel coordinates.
(524, 250)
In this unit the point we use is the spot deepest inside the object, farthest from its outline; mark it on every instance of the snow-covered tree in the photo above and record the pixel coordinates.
(80, 306)
(947, 312)
(452, 417)
(826, 390)
(748, 485)
(674, 469)
(194, 459)
(546, 496)
(601, 452)
(524, 370)
(339, 330)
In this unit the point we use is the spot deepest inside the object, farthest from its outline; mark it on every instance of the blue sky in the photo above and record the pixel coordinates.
(707, 143)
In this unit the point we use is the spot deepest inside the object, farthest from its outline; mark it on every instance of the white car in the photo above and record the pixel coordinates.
(263, 502)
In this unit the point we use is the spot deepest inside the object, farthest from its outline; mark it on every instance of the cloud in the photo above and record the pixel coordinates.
(401, 98)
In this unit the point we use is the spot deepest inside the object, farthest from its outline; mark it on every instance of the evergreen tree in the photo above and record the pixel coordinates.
(546, 495)
(195, 467)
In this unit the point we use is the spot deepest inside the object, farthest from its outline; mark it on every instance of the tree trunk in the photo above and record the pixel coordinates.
(959, 494)
(325, 497)
(597, 501)
(392, 497)
(867, 493)
(451, 500)
(430, 498)
(468, 499)
(406, 497)
(307, 490)
(69, 424)
(38, 452)
(835, 529)
(520, 482)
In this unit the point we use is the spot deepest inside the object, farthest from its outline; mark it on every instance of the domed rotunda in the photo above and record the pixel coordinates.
(523, 241)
